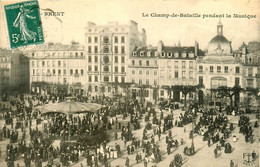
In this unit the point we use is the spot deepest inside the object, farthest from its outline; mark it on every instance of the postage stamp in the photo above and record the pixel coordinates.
(24, 24)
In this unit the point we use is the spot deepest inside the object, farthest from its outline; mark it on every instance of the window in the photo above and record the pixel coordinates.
(59, 72)
(81, 72)
(106, 59)
(71, 71)
(140, 72)
(133, 80)
(64, 63)
(211, 69)
(183, 64)
(116, 49)
(106, 68)
(116, 39)
(96, 78)
(76, 71)
(155, 72)
(176, 64)
(191, 64)
(89, 49)
(32, 63)
(89, 78)
(122, 49)
(89, 39)
(96, 49)
(53, 63)
(218, 69)
(122, 69)
(122, 79)
(106, 49)
(147, 63)
(237, 70)
(48, 71)
(147, 82)
(133, 62)
(76, 54)
(122, 39)
(43, 63)
(116, 59)
(64, 72)
(53, 71)
(226, 69)
(191, 74)
(105, 39)
(200, 80)
(250, 83)
(162, 92)
(33, 71)
(183, 74)
(176, 74)
(155, 82)
(237, 81)
(122, 59)
(116, 79)
(89, 68)
(106, 78)
(96, 59)
(89, 59)
(96, 88)
(96, 39)
(250, 71)
(200, 69)
(140, 62)
(140, 81)
(133, 71)
(96, 68)
(147, 72)
(116, 68)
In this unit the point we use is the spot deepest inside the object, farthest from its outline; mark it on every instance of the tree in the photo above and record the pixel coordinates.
(254, 91)
(229, 92)
(185, 89)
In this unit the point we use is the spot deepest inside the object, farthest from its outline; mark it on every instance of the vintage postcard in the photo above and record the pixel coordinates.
(129, 83)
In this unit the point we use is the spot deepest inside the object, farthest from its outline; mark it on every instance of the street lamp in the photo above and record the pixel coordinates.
(192, 137)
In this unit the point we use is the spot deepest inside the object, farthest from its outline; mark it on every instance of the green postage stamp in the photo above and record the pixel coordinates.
(24, 24)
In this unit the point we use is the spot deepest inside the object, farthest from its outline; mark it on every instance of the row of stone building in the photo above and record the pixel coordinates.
(115, 59)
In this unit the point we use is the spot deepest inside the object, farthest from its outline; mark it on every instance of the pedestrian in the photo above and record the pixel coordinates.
(231, 163)
(127, 162)
(208, 142)
(137, 158)
(216, 152)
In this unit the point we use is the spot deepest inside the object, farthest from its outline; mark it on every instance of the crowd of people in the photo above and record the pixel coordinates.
(117, 120)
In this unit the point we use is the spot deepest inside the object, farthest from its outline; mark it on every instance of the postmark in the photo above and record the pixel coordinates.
(24, 24)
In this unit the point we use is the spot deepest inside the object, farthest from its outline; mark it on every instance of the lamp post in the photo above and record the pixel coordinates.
(192, 137)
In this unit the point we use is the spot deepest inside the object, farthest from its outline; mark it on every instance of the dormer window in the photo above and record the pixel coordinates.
(191, 55)
(149, 54)
(142, 53)
(157, 54)
(184, 54)
(169, 54)
(163, 54)
(134, 53)
(176, 54)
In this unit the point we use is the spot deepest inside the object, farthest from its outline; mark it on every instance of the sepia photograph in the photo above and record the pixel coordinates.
(129, 83)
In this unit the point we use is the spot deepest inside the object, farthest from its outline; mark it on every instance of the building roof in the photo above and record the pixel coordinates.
(219, 39)
(175, 49)
(145, 49)
(57, 47)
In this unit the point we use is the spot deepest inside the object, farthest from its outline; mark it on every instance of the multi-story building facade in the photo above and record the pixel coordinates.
(177, 66)
(14, 72)
(107, 49)
(251, 72)
(143, 73)
(219, 67)
(57, 68)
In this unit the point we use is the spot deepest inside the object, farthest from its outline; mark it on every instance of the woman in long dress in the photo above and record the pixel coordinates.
(20, 21)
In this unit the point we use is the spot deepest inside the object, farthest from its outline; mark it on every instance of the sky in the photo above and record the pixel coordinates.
(170, 30)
